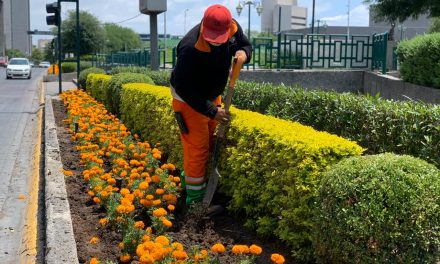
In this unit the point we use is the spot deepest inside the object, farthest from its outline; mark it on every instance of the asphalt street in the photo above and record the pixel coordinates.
(20, 125)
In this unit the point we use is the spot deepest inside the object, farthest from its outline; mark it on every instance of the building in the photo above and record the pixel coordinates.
(282, 15)
(14, 25)
(43, 43)
(405, 30)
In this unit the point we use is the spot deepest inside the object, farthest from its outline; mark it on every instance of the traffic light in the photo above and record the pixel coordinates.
(55, 18)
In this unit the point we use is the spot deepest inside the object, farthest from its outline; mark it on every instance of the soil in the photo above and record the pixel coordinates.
(226, 227)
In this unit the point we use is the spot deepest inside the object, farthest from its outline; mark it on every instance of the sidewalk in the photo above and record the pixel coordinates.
(60, 240)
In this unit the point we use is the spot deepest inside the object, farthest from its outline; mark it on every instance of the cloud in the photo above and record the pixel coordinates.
(359, 16)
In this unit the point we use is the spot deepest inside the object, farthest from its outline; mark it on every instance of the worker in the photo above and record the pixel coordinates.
(200, 76)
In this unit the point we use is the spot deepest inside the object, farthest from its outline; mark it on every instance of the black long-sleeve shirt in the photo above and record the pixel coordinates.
(202, 70)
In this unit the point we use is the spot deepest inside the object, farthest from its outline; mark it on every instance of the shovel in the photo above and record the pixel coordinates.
(214, 175)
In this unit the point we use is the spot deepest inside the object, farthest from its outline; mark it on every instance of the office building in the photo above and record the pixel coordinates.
(282, 15)
(14, 26)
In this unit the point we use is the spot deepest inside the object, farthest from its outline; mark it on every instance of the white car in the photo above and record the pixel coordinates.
(44, 64)
(18, 67)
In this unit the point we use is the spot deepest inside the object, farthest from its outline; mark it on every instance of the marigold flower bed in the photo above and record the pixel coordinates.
(124, 181)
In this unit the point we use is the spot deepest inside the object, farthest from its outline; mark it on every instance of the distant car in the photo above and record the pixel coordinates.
(44, 64)
(3, 61)
(18, 67)
(31, 63)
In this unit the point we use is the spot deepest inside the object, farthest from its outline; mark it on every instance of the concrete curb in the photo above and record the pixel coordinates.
(60, 240)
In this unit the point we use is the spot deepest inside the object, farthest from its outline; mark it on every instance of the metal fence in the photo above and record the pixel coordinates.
(286, 51)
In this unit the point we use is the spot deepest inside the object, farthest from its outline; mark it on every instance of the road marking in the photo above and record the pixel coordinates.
(28, 251)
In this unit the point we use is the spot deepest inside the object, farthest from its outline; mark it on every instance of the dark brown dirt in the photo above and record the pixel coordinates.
(226, 228)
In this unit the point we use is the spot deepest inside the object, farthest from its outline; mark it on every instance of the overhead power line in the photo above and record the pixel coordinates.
(127, 19)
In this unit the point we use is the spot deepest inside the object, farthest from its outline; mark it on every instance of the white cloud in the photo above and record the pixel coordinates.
(358, 17)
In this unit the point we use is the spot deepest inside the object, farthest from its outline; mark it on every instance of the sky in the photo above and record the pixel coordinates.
(182, 15)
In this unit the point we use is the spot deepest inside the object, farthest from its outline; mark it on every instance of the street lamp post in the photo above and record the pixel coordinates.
(402, 29)
(324, 24)
(249, 3)
(313, 17)
(184, 23)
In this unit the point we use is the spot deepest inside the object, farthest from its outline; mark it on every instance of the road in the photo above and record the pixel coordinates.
(20, 124)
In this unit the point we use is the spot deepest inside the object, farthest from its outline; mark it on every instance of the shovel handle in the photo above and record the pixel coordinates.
(237, 64)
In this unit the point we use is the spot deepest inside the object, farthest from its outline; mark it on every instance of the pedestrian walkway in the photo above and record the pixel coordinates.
(52, 88)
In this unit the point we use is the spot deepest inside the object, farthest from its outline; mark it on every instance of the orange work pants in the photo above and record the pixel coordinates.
(197, 143)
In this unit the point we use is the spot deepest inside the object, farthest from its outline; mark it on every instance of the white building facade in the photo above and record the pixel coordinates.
(282, 15)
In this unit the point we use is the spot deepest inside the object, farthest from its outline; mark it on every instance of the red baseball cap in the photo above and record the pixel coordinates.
(216, 23)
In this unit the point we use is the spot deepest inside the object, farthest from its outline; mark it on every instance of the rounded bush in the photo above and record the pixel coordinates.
(113, 93)
(84, 73)
(379, 209)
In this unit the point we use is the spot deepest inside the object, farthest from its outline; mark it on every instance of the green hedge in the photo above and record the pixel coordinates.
(160, 78)
(379, 125)
(271, 168)
(67, 67)
(97, 86)
(379, 209)
(114, 87)
(84, 73)
(420, 60)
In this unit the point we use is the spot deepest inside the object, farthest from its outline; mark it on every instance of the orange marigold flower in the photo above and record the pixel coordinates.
(255, 250)
(94, 261)
(143, 185)
(171, 207)
(163, 240)
(159, 212)
(94, 240)
(103, 221)
(155, 178)
(125, 191)
(68, 173)
(218, 248)
(139, 225)
(157, 202)
(160, 191)
(96, 199)
(111, 181)
(180, 255)
(91, 193)
(125, 258)
(240, 249)
(146, 259)
(166, 222)
(277, 258)
(149, 197)
(177, 246)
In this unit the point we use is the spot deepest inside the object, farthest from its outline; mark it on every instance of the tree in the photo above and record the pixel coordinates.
(91, 33)
(435, 26)
(14, 53)
(119, 38)
(37, 55)
(400, 10)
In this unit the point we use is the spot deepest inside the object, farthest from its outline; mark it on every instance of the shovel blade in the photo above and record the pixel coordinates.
(211, 187)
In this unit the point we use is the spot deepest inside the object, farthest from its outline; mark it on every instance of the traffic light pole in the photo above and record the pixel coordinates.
(77, 45)
(60, 90)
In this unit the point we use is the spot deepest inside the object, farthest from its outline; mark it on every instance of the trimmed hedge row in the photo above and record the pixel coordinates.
(160, 78)
(97, 85)
(420, 60)
(379, 125)
(83, 76)
(379, 209)
(67, 67)
(271, 168)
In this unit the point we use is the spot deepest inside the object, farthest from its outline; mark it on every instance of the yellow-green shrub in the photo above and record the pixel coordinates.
(146, 110)
(96, 85)
(271, 168)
